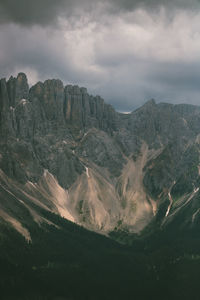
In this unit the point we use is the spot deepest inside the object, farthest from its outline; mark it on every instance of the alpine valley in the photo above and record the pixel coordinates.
(96, 204)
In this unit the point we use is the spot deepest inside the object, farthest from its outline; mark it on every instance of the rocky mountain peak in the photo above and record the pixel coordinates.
(150, 103)
(17, 89)
(22, 78)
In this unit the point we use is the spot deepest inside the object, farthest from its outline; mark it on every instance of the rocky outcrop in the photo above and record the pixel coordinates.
(17, 89)
(85, 111)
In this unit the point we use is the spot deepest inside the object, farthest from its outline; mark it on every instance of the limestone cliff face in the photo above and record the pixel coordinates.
(83, 111)
(65, 151)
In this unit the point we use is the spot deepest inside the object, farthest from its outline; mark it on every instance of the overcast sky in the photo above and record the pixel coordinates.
(126, 51)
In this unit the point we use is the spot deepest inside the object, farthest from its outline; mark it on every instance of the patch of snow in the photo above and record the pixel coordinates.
(191, 196)
(170, 204)
(85, 134)
(170, 199)
(184, 204)
(23, 101)
(87, 172)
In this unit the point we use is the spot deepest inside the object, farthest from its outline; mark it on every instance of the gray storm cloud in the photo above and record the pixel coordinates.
(152, 4)
(31, 12)
(126, 51)
(28, 12)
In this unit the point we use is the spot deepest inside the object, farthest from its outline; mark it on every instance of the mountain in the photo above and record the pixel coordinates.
(75, 175)
(67, 152)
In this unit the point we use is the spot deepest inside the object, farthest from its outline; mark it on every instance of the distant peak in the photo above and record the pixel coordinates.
(150, 102)
(147, 106)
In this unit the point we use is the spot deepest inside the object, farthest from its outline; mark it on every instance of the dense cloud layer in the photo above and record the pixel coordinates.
(127, 51)
(30, 12)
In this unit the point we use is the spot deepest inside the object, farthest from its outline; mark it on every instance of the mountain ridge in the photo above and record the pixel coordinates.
(68, 152)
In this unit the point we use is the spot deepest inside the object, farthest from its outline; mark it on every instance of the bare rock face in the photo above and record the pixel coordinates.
(85, 111)
(65, 151)
(17, 89)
